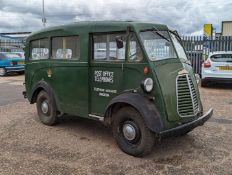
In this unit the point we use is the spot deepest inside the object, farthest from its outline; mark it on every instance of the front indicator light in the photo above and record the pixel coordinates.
(145, 71)
(147, 85)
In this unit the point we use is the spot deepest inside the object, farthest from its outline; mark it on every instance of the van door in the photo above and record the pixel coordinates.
(69, 74)
(106, 74)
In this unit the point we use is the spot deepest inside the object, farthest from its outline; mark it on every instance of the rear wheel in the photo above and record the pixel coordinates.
(131, 133)
(2, 71)
(21, 72)
(46, 108)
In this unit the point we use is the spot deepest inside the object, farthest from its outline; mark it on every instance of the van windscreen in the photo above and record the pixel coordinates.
(158, 45)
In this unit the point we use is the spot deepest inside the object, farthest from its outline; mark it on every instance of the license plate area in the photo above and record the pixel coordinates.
(21, 63)
(225, 68)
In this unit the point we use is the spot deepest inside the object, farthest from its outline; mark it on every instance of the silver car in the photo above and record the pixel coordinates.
(217, 68)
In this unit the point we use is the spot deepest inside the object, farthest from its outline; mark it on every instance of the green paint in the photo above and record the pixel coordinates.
(74, 83)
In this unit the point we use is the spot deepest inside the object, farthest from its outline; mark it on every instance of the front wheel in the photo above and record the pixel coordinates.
(46, 108)
(131, 133)
(2, 71)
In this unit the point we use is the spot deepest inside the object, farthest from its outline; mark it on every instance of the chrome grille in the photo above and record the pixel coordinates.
(187, 104)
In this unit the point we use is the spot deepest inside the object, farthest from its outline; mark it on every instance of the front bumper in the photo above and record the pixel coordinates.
(217, 80)
(187, 126)
(15, 69)
(216, 74)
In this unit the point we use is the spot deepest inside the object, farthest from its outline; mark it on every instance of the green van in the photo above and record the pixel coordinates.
(132, 76)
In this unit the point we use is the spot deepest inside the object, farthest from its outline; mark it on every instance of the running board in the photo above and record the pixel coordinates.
(96, 117)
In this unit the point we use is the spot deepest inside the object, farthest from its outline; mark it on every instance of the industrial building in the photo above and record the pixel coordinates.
(226, 28)
(12, 42)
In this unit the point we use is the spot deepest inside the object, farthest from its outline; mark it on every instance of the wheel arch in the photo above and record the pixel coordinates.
(142, 104)
(42, 85)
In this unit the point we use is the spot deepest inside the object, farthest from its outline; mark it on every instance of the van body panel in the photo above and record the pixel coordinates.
(105, 84)
(74, 99)
(84, 87)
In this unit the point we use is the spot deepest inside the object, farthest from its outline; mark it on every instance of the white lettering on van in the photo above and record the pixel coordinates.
(104, 92)
(103, 76)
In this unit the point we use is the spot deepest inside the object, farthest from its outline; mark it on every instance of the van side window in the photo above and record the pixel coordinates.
(40, 49)
(105, 47)
(135, 52)
(66, 47)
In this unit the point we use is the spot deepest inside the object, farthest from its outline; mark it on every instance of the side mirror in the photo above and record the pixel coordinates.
(119, 42)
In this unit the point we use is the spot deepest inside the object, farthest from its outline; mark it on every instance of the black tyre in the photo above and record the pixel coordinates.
(2, 72)
(21, 73)
(46, 108)
(204, 83)
(131, 133)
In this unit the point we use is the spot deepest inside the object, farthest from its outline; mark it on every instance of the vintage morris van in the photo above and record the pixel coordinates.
(132, 76)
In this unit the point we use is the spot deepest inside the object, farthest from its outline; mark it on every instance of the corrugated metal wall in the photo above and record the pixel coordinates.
(227, 28)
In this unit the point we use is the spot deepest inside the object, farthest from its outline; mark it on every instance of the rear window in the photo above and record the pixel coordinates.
(221, 58)
(2, 56)
(10, 55)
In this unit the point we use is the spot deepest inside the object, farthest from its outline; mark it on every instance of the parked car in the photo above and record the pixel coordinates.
(11, 62)
(217, 68)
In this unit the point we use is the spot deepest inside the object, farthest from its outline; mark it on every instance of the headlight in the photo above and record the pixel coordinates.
(197, 76)
(147, 85)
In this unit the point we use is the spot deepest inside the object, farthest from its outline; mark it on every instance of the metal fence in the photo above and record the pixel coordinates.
(199, 47)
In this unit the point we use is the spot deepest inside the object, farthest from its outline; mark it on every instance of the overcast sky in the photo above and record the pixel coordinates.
(187, 16)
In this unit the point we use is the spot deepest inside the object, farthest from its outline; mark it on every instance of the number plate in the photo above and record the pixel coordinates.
(21, 62)
(225, 68)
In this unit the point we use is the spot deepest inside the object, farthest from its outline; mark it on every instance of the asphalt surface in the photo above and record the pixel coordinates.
(80, 146)
(10, 94)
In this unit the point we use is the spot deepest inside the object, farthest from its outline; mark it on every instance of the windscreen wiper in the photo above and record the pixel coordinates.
(174, 32)
(160, 34)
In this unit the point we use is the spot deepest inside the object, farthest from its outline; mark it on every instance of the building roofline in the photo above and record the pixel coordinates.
(15, 33)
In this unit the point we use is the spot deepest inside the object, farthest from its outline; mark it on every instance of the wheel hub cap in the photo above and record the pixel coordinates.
(129, 132)
(44, 107)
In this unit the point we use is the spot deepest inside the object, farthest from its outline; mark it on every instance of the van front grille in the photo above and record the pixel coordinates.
(187, 104)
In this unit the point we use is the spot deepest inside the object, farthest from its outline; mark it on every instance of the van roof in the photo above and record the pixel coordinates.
(97, 26)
